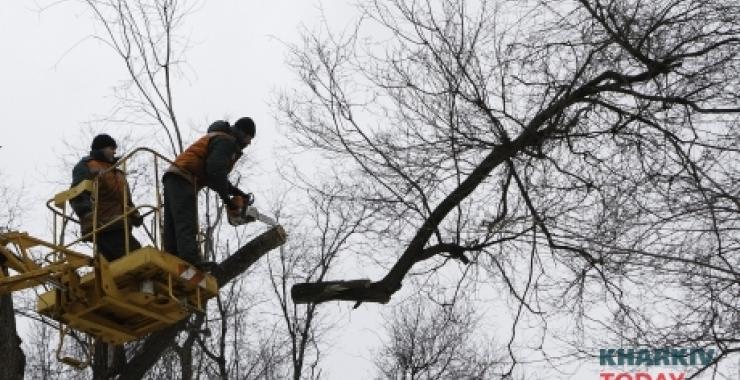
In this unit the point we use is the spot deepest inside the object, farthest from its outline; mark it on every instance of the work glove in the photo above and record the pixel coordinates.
(248, 197)
(232, 204)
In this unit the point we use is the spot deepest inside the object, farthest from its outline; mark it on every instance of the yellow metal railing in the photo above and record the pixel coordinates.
(57, 205)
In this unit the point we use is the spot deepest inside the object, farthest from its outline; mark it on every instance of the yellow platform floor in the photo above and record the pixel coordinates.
(150, 290)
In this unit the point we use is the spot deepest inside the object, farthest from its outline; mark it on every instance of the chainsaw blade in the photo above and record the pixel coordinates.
(253, 212)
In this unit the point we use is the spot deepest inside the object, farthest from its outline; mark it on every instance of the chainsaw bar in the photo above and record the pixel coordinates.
(253, 212)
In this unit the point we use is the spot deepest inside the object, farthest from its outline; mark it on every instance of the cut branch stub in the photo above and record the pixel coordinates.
(247, 255)
(353, 290)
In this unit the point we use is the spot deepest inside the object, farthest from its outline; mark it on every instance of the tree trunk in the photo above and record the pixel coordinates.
(12, 359)
(186, 361)
(100, 361)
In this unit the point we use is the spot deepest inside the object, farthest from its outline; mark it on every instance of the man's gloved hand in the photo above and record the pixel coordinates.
(233, 207)
(248, 197)
(232, 204)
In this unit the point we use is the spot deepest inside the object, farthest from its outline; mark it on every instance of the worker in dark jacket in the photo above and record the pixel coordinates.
(205, 163)
(112, 187)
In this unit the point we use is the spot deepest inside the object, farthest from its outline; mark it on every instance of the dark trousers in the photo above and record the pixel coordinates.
(180, 218)
(112, 243)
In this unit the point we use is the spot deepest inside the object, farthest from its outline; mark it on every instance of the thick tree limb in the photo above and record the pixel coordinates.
(248, 254)
(366, 290)
(227, 270)
(151, 352)
(352, 290)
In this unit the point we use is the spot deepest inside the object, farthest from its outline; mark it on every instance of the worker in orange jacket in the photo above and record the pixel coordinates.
(205, 163)
(112, 190)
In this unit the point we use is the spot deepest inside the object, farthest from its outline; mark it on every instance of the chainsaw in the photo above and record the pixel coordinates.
(243, 212)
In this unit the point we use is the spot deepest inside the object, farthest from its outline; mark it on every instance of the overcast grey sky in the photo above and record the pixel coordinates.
(56, 79)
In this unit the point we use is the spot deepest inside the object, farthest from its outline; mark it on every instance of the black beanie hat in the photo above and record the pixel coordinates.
(246, 125)
(101, 141)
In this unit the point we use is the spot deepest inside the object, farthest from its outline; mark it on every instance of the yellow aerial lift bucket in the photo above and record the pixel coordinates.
(142, 292)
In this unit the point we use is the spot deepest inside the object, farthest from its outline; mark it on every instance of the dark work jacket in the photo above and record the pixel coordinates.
(222, 153)
(112, 186)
